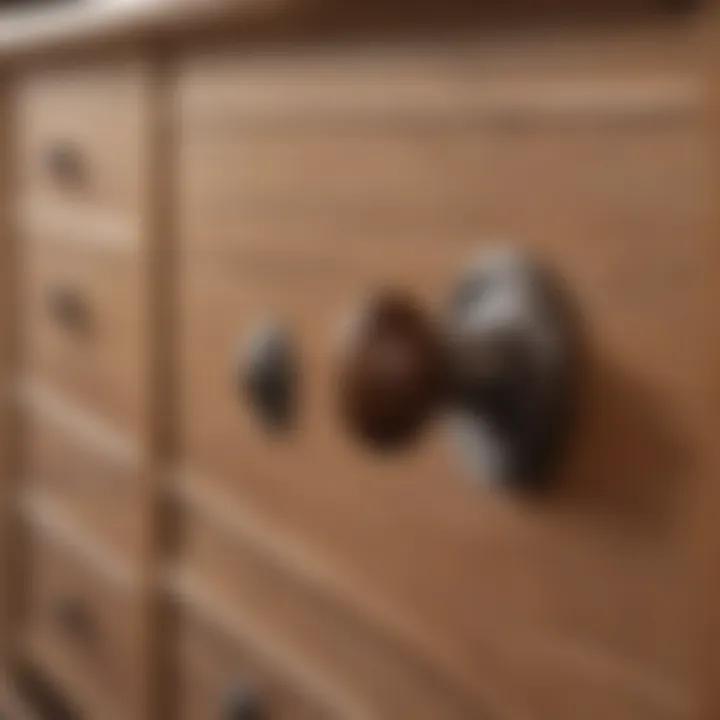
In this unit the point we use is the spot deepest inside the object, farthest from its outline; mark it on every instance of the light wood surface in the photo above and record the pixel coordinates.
(705, 547)
(214, 662)
(85, 378)
(238, 161)
(99, 646)
(96, 114)
(97, 481)
(557, 604)
(8, 358)
(95, 361)
(341, 638)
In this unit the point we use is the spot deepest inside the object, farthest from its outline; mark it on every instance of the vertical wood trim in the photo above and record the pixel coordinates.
(159, 256)
(705, 537)
(6, 283)
(10, 537)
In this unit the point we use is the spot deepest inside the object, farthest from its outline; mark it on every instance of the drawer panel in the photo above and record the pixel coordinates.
(319, 204)
(83, 143)
(221, 676)
(83, 331)
(438, 148)
(83, 627)
(270, 591)
(70, 461)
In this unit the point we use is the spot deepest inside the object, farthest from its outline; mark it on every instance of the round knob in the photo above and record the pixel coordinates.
(511, 358)
(241, 703)
(390, 371)
(501, 365)
(267, 373)
(68, 306)
(64, 162)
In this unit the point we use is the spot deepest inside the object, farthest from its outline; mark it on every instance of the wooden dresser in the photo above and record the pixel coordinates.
(224, 228)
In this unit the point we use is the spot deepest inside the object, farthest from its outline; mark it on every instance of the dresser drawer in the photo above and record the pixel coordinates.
(83, 627)
(298, 196)
(83, 327)
(301, 616)
(82, 148)
(220, 675)
(70, 460)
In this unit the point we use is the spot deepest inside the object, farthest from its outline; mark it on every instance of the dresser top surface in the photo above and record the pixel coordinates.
(100, 24)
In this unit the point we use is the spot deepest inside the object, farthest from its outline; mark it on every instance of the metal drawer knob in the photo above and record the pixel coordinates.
(267, 374)
(64, 162)
(499, 364)
(68, 307)
(511, 344)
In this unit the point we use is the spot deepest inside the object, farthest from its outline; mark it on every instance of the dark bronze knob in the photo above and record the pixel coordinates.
(500, 364)
(68, 307)
(267, 373)
(241, 703)
(511, 360)
(65, 163)
(390, 370)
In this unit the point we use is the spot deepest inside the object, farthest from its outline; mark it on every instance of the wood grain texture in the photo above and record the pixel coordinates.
(91, 27)
(8, 358)
(344, 641)
(593, 80)
(95, 114)
(704, 548)
(579, 605)
(159, 278)
(303, 177)
(97, 643)
(88, 371)
(96, 360)
(68, 461)
(216, 661)
(45, 659)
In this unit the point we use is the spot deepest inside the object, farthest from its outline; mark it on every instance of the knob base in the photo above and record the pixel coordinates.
(511, 345)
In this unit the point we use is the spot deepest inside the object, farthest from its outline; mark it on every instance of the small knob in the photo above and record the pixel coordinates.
(64, 162)
(267, 373)
(67, 306)
(241, 703)
(390, 371)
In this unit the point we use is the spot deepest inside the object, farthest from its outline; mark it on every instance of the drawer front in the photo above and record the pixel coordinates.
(70, 462)
(83, 627)
(83, 328)
(220, 676)
(83, 143)
(297, 613)
(295, 204)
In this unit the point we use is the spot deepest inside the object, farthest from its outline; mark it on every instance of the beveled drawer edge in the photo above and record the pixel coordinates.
(83, 225)
(248, 631)
(309, 568)
(349, 598)
(41, 654)
(88, 427)
(59, 528)
(463, 101)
